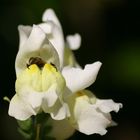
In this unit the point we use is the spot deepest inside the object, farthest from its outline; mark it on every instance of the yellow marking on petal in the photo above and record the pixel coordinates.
(86, 95)
(80, 93)
(50, 68)
(33, 68)
(50, 76)
(40, 80)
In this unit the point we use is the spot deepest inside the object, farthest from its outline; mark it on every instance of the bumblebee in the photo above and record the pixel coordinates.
(36, 60)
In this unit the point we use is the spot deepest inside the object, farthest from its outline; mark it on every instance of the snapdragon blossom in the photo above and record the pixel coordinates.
(58, 86)
(40, 85)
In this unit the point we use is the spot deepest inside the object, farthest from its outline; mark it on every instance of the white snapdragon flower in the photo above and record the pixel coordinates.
(89, 114)
(50, 79)
(39, 85)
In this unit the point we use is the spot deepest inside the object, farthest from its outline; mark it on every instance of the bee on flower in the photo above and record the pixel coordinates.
(50, 80)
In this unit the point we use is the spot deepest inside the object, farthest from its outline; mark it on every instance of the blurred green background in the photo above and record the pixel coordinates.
(110, 31)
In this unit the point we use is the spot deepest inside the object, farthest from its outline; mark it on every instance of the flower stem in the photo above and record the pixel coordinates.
(38, 126)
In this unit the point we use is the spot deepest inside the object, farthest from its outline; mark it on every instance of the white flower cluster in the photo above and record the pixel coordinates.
(50, 80)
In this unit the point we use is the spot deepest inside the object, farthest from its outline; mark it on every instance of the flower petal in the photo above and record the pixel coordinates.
(61, 129)
(20, 109)
(35, 40)
(60, 111)
(56, 37)
(107, 106)
(46, 27)
(74, 41)
(37, 45)
(29, 79)
(85, 116)
(91, 121)
(24, 32)
(49, 15)
(52, 78)
(78, 79)
(50, 97)
(58, 42)
(33, 98)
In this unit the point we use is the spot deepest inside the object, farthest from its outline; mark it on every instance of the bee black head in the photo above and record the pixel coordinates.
(36, 60)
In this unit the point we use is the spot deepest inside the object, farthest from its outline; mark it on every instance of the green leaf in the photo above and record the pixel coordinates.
(26, 125)
(36, 127)
(26, 135)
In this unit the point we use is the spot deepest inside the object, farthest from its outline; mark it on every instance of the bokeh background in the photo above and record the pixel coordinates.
(110, 31)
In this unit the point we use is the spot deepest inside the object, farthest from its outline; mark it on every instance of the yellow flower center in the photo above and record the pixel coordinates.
(40, 79)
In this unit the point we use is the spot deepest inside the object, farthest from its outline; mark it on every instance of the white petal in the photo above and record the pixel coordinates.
(33, 98)
(49, 15)
(85, 117)
(37, 45)
(61, 130)
(74, 41)
(46, 27)
(60, 111)
(78, 79)
(56, 37)
(35, 40)
(49, 54)
(107, 106)
(32, 44)
(24, 32)
(50, 97)
(57, 40)
(20, 109)
(91, 121)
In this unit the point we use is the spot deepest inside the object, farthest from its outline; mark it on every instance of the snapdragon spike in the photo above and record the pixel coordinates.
(50, 81)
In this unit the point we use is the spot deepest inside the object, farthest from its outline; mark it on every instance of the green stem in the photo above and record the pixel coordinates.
(38, 126)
